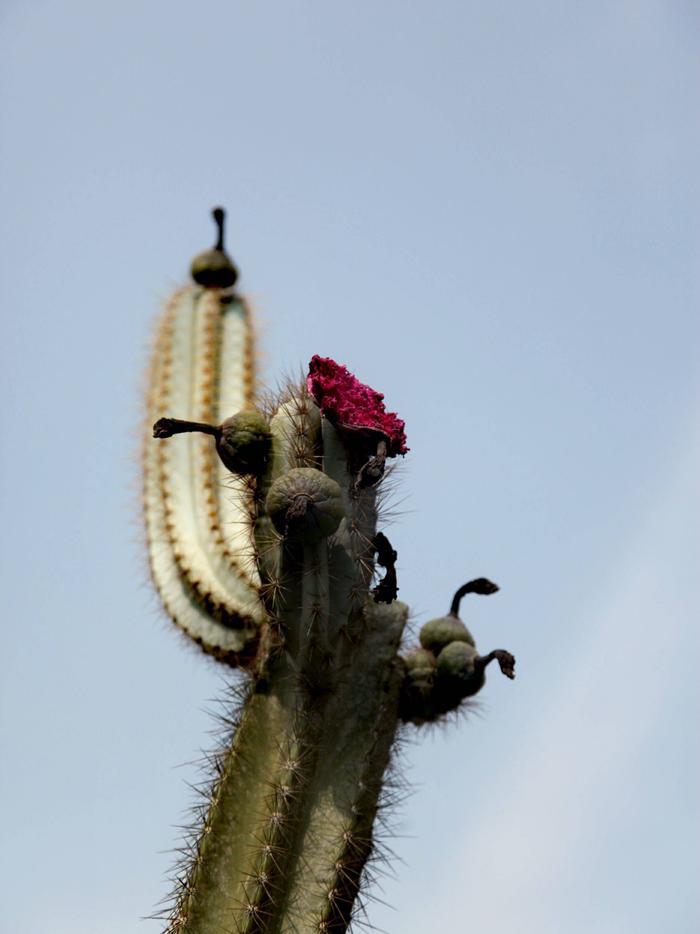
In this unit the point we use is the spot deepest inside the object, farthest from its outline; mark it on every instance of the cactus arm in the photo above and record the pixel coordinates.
(171, 579)
(198, 528)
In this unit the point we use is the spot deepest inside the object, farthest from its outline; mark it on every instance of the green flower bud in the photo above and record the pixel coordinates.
(420, 666)
(457, 660)
(416, 703)
(243, 443)
(305, 503)
(437, 633)
(214, 269)
(457, 674)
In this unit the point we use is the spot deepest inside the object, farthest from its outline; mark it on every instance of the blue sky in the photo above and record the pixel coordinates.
(490, 213)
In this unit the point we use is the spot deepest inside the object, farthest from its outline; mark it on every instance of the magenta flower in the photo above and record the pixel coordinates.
(348, 403)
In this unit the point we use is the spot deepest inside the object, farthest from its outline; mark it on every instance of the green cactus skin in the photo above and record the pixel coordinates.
(270, 569)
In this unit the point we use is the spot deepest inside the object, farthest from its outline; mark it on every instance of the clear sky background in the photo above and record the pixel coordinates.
(490, 212)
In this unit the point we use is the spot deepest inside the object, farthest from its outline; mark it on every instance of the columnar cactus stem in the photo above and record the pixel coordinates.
(263, 530)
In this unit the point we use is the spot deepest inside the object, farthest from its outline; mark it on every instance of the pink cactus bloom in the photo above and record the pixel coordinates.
(348, 403)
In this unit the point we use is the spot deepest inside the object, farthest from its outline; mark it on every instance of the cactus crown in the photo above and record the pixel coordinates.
(264, 541)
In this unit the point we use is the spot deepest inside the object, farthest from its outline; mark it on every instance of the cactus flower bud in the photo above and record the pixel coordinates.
(420, 664)
(437, 633)
(458, 674)
(305, 503)
(214, 269)
(244, 443)
(416, 703)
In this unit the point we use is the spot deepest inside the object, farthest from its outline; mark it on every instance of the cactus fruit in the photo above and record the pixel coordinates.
(263, 546)
(214, 268)
(242, 441)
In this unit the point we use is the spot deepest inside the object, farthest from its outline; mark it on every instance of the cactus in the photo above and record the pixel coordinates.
(262, 525)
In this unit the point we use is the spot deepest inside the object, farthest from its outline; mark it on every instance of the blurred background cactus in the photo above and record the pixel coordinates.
(264, 529)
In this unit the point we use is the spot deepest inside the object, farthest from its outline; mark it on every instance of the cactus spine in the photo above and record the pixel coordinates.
(262, 546)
